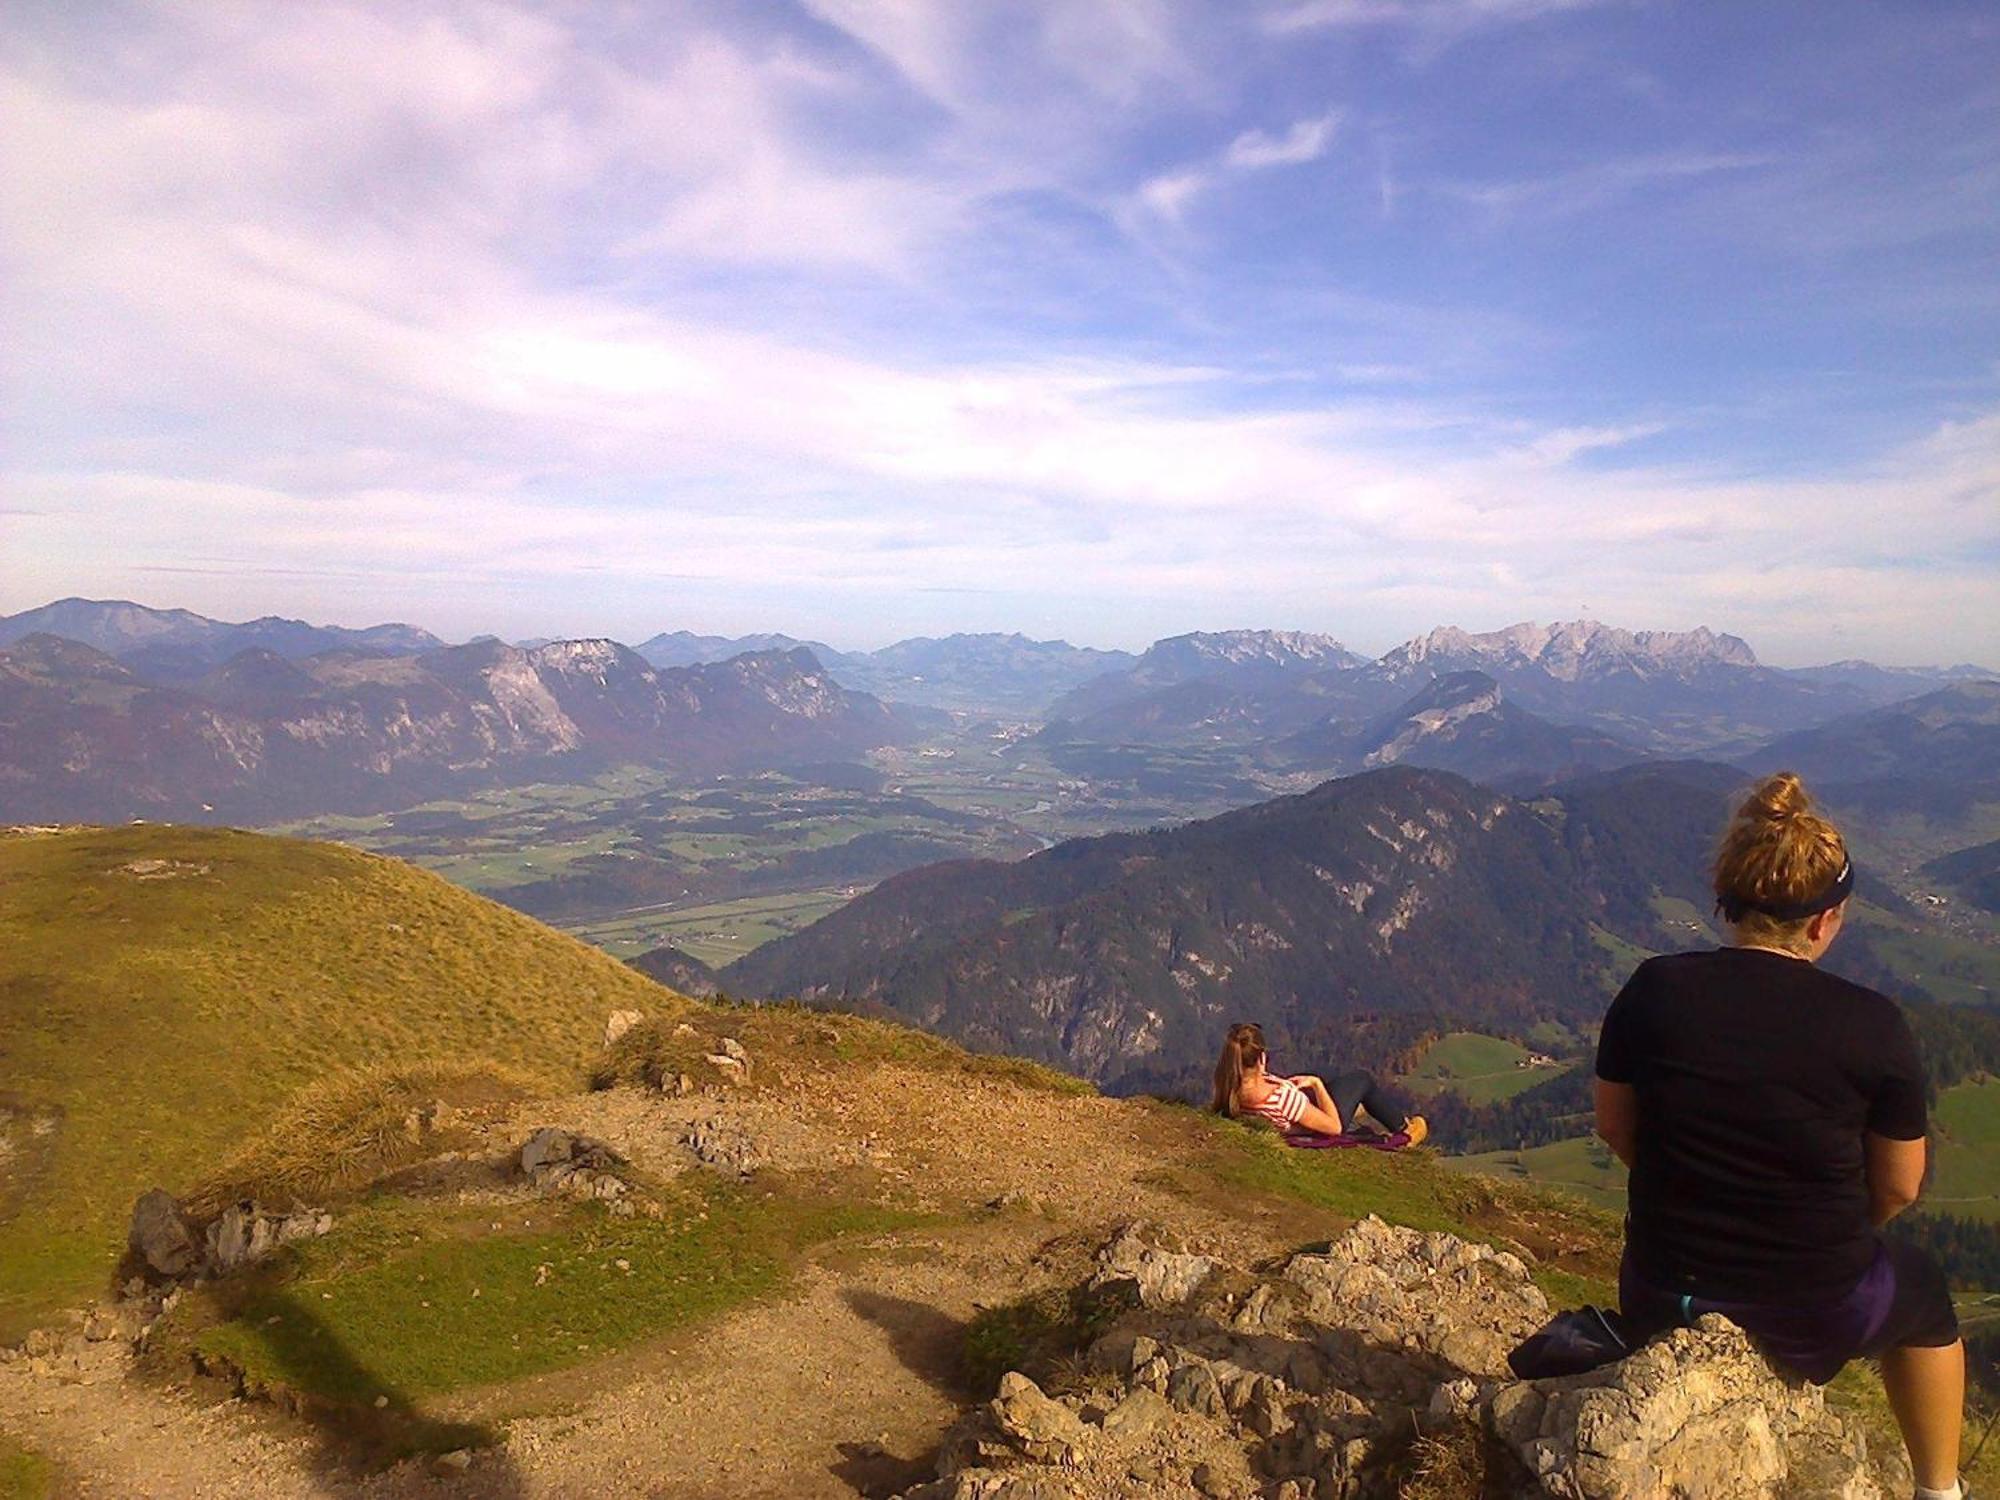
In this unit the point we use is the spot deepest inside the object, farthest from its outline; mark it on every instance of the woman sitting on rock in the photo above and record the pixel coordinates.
(1773, 1119)
(1303, 1103)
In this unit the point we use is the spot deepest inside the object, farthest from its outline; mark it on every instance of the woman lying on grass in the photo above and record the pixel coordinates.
(1302, 1104)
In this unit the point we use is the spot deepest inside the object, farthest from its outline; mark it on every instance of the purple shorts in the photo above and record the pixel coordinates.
(1900, 1301)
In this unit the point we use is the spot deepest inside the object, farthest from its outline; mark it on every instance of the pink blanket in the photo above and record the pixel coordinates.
(1347, 1140)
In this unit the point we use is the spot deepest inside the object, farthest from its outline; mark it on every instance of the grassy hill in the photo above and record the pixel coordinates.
(164, 989)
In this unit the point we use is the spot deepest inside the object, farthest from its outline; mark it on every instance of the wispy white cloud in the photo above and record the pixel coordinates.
(486, 309)
(1305, 141)
(1445, 17)
(1169, 194)
(1592, 183)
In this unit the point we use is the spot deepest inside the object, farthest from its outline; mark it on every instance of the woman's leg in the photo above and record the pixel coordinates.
(1352, 1091)
(1926, 1387)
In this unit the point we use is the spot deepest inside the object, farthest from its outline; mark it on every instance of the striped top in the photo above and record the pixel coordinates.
(1282, 1106)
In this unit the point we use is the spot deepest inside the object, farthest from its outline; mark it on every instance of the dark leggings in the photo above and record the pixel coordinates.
(1359, 1089)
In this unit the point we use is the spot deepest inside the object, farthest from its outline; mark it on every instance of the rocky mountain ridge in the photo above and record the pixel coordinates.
(176, 646)
(262, 736)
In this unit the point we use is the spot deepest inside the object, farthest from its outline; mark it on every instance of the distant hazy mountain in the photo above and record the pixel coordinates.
(1938, 753)
(1577, 651)
(1228, 664)
(683, 648)
(178, 646)
(1660, 691)
(1395, 891)
(82, 737)
(1463, 723)
(1667, 691)
(992, 673)
(1883, 685)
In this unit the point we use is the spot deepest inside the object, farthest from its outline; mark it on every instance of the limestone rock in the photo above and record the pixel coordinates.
(1696, 1415)
(1164, 1277)
(619, 1022)
(163, 1237)
(725, 1145)
(573, 1165)
(244, 1234)
(1304, 1381)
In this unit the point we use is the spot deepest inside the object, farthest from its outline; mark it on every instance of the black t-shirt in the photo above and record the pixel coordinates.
(1756, 1077)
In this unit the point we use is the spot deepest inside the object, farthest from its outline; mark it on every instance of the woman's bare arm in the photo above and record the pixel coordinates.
(1895, 1171)
(1320, 1121)
(1618, 1118)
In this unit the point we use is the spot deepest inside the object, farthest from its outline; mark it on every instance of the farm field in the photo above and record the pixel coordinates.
(1484, 1069)
(1582, 1165)
(716, 933)
(633, 857)
(1967, 1151)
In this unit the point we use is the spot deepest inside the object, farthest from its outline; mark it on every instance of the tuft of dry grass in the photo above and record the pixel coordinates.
(349, 1130)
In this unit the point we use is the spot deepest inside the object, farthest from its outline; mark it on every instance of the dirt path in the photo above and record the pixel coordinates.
(841, 1388)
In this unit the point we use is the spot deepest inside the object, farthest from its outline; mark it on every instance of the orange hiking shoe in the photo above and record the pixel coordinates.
(1417, 1129)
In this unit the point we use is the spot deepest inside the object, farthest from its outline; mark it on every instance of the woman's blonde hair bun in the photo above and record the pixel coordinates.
(1776, 798)
(1777, 852)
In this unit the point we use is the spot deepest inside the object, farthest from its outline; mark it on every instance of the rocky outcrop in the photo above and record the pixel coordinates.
(163, 1237)
(244, 1233)
(1342, 1376)
(1698, 1413)
(167, 1243)
(619, 1022)
(575, 1166)
(724, 1145)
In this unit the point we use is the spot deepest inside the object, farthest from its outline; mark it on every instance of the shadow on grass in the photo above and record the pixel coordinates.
(362, 1423)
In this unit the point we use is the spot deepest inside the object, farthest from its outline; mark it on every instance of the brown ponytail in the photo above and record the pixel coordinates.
(1776, 853)
(1242, 1050)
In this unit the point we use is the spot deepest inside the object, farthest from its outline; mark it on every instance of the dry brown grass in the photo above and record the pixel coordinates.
(338, 1136)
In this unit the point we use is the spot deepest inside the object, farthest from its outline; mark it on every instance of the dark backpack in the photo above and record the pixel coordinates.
(1571, 1343)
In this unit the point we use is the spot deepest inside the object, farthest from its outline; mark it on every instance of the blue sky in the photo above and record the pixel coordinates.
(1109, 319)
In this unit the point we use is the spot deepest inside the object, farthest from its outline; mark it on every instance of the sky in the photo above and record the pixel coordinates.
(859, 319)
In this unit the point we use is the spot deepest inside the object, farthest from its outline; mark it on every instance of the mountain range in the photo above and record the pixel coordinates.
(84, 737)
(172, 646)
(986, 673)
(1660, 692)
(1463, 722)
(114, 710)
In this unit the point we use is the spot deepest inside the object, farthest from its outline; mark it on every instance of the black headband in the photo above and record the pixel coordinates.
(1732, 908)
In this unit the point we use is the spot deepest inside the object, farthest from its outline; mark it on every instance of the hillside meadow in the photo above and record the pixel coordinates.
(163, 990)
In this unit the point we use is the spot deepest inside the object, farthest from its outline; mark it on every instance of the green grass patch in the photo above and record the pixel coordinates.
(153, 1013)
(24, 1474)
(405, 1303)
(1582, 1165)
(1620, 957)
(1966, 1151)
(1689, 925)
(1483, 1069)
(717, 932)
(1956, 970)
